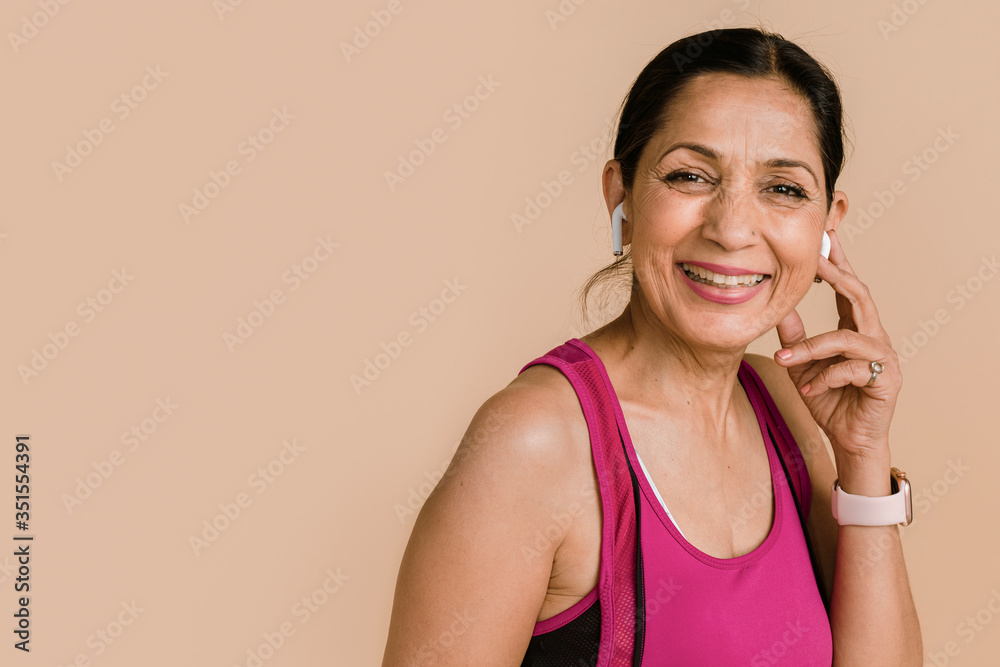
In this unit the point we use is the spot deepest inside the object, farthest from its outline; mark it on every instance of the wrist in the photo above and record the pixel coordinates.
(867, 476)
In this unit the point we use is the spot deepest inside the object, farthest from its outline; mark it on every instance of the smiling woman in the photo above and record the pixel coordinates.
(733, 167)
(549, 533)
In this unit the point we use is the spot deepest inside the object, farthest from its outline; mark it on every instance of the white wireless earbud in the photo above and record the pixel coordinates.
(616, 228)
(825, 247)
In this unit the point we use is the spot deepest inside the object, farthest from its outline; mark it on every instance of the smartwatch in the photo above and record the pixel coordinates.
(857, 510)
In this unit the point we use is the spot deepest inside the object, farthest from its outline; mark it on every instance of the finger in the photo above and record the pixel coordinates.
(837, 254)
(812, 370)
(846, 320)
(841, 342)
(855, 372)
(854, 302)
(839, 258)
(791, 330)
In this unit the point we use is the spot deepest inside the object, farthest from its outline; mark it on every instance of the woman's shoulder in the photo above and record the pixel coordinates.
(475, 540)
(534, 426)
(543, 407)
(545, 383)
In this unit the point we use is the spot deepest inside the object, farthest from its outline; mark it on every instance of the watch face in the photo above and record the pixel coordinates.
(905, 484)
(900, 482)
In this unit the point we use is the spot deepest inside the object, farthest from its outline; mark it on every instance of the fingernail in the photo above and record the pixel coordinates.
(805, 389)
(784, 353)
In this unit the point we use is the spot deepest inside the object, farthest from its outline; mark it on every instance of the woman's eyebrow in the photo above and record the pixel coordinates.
(785, 162)
(697, 148)
(712, 155)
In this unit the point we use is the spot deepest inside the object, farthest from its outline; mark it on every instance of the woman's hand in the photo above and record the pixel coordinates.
(832, 369)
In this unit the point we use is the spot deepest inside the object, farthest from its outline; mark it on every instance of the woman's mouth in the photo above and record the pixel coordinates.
(705, 276)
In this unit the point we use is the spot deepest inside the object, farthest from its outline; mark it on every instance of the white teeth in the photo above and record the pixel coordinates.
(719, 279)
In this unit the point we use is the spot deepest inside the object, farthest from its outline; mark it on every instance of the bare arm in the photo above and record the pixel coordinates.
(872, 610)
(466, 593)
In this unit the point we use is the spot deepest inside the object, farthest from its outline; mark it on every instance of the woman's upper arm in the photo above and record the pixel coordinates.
(822, 527)
(470, 585)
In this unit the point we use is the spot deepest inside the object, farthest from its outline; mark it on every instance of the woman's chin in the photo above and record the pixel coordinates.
(725, 332)
(734, 343)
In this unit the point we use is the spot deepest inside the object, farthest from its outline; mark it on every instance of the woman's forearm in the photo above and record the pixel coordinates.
(872, 615)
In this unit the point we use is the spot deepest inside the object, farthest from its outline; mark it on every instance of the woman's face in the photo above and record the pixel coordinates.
(730, 190)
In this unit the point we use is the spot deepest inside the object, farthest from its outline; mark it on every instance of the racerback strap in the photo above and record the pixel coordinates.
(619, 540)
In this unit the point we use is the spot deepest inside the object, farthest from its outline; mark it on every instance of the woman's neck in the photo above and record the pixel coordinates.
(651, 367)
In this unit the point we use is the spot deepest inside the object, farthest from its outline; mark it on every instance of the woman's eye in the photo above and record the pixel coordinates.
(691, 178)
(789, 190)
(683, 177)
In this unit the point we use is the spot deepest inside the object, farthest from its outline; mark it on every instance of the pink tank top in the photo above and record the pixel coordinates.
(659, 600)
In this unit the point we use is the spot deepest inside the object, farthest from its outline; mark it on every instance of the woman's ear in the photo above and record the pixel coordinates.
(838, 209)
(614, 194)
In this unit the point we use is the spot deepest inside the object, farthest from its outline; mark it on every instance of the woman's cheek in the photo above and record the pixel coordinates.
(796, 281)
(651, 267)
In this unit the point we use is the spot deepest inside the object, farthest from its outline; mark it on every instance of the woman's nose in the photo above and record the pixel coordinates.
(730, 219)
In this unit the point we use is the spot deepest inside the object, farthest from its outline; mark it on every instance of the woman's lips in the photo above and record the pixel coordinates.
(725, 270)
(725, 295)
(700, 274)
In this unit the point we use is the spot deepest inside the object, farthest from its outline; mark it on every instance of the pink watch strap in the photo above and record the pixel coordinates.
(857, 510)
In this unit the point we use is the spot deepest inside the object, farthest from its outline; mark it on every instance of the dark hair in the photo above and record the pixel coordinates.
(750, 52)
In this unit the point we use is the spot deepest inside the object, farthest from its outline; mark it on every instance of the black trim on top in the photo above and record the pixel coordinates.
(640, 584)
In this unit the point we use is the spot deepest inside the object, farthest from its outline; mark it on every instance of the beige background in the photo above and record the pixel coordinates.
(332, 515)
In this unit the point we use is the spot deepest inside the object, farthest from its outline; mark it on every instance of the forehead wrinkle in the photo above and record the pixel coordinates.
(751, 148)
(758, 117)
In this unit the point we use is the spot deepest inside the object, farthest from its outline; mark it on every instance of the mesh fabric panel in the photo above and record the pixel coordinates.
(572, 645)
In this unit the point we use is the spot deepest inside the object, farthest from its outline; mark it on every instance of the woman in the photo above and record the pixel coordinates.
(549, 540)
